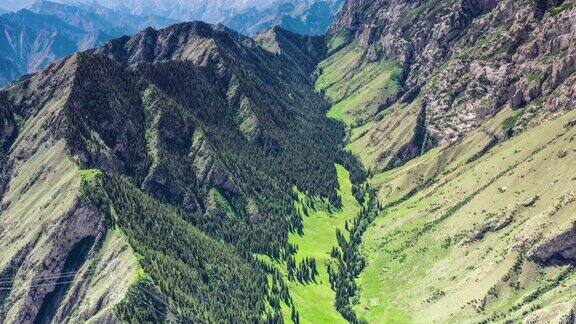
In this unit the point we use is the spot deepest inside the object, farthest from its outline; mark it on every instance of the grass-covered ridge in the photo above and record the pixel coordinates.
(357, 89)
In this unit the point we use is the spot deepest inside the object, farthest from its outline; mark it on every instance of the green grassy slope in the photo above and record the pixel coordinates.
(460, 249)
(461, 225)
(356, 88)
(359, 91)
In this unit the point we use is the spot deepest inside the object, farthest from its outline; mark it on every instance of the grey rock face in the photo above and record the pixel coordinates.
(472, 59)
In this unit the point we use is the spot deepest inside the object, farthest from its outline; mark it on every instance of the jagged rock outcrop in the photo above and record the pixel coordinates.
(471, 59)
(559, 250)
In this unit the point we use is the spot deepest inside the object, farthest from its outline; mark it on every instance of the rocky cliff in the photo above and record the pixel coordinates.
(469, 60)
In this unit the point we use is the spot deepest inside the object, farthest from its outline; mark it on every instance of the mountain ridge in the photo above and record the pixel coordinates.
(100, 23)
(413, 165)
(115, 119)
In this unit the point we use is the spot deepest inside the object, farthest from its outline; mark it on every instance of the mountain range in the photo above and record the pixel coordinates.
(61, 28)
(32, 38)
(414, 164)
(95, 17)
(302, 17)
(184, 10)
(30, 41)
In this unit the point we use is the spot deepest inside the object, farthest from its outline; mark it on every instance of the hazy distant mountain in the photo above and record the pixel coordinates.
(248, 16)
(303, 17)
(95, 17)
(186, 10)
(29, 41)
(72, 15)
(48, 31)
(14, 5)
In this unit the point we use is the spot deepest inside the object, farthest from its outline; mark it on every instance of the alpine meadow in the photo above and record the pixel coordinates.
(291, 161)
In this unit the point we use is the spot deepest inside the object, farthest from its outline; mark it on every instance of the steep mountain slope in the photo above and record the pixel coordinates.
(463, 111)
(192, 174)
(485, 240)
(178, 148)
(30, 41)
(302, 17)
(241, 103)
(47, 227)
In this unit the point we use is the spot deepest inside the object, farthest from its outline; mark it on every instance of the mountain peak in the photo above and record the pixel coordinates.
(195, 41)
(306, 51)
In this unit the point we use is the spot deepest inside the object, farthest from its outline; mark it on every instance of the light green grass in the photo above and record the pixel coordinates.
(424, 262)
(315, 300)
(337, 41)
(356, 87)
(221, 202)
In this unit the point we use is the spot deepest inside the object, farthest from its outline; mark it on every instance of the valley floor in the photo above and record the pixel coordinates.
(314, 300)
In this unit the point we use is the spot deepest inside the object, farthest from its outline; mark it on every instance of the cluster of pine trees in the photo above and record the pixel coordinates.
(205, 280)
(349, 260)
(304, 272)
